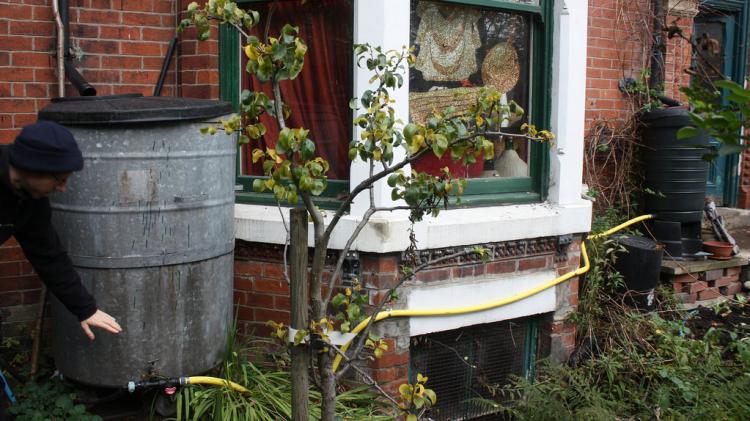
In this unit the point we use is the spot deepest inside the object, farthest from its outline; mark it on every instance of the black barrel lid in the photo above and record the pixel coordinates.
(665, 117)
(130, 108)
(638, 242)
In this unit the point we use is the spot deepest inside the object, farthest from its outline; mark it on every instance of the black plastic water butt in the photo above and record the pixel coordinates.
(639, 264)
(676, 174)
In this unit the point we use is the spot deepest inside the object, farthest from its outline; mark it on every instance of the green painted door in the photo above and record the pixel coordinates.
(716, 34)
(724, 23)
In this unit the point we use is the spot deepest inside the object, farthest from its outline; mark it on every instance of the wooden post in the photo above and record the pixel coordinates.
(299, 300)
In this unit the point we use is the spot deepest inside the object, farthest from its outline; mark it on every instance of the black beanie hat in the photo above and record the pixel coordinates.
(46, 147)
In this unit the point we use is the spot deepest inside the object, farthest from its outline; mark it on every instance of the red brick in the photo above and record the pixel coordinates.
(42, 13)
(141, 19)
(274, 271)
(139, 77)
(533, 263)
(434, 275)
(84, 31)
(28, 59)
(100, 47)
(140, 48)
(240, 298)
(120, 33)
(685, 278)
(260, 300)
(247, 268)
(384, 374)
(242, 284)
(711, 275)
(379, 263)
(31, 28)
(708, 294)
(9, 269)
(245, 313)
(11, 299)
(117, 62)
(733, 289)
(462, 271)
(732, 271)
(724, 281)
(158, 34)
(390, 358)
(15, 12)
(271, 285)
(684, 297)
(8, 254)
(32, 297)
(139, 5)
(264, 315)
(503, 266)
(694, 287)
(17, 75)
(99, 16)
(281, 302)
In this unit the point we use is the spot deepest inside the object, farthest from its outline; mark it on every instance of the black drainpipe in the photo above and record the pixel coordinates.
(84, 88)
(658, 50)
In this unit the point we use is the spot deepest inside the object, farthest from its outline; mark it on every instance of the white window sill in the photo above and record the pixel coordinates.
(387, 231)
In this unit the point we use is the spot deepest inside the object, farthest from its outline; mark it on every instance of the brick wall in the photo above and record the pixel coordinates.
(618, 47)
(119, 47)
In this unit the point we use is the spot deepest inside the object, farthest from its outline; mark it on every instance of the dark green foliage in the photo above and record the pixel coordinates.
(637, 366)
(50, 401)
(721, 112)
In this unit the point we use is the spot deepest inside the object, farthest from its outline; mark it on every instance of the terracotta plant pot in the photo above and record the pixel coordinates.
(719, 249)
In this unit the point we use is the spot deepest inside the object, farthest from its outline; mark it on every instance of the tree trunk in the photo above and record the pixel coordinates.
(300, 354)
(327, 387)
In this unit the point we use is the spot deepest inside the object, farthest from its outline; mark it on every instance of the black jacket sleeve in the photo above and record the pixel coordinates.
(42, 247)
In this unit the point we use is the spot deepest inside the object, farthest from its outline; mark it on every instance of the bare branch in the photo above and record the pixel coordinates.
(350, 241)
(365, 376)
(286, 242)
(365, 333)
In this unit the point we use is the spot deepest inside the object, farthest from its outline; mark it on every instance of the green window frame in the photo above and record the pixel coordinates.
(534, 188)
(479, 191)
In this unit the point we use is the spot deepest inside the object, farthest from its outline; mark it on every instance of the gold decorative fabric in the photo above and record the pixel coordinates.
(422, 104)
(500, 67)
(448, 39)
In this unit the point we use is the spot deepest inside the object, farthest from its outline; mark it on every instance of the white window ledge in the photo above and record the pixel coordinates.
(387, 232)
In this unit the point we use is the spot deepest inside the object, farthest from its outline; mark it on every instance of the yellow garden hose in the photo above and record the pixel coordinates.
(492, 304)
(215, 381)
(182, 381)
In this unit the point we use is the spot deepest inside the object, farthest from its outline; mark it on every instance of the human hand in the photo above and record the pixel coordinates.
(101, 320)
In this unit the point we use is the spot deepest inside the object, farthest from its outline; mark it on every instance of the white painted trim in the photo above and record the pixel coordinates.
(427, 296)
(387, 232)
(569, 100)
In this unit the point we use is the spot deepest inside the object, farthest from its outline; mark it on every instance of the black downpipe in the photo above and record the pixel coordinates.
(165, 67)
(84, 88)
(659, 49)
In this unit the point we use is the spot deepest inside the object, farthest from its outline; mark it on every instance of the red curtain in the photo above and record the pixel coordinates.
(319, 97)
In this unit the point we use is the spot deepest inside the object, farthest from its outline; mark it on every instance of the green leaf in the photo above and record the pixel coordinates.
(431, 395)
(258, 185)
(307, 149)
(687, 132)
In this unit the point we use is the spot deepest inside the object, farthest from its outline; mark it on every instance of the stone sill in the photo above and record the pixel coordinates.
(387, 231)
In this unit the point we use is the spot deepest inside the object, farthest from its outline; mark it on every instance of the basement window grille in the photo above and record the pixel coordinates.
(468, 366)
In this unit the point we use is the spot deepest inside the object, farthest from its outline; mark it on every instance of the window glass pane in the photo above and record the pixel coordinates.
(319, 97)
(459, 49)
